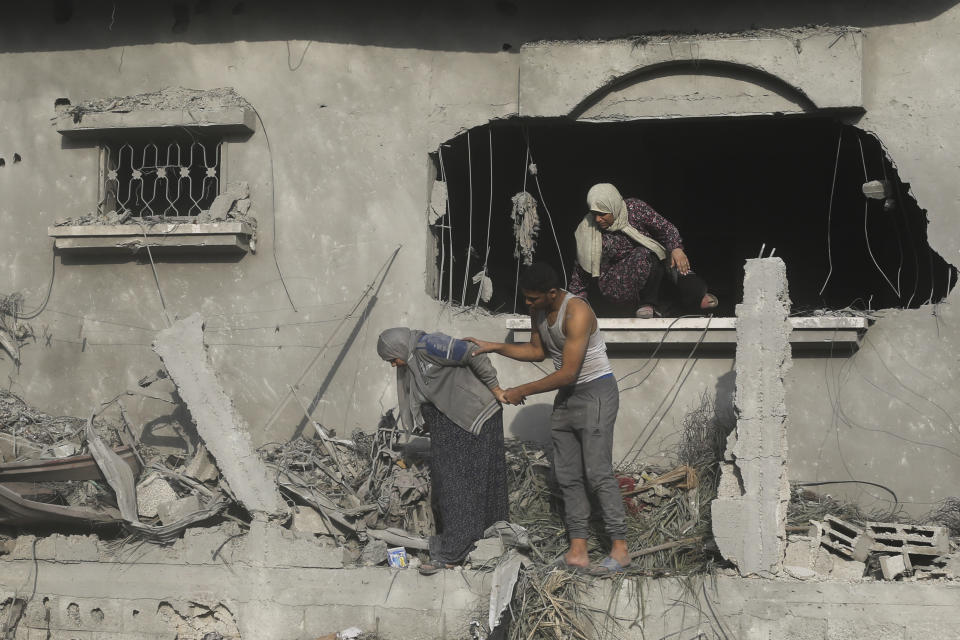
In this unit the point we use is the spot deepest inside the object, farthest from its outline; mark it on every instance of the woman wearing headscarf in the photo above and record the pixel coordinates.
(628, 248)
(455, 395)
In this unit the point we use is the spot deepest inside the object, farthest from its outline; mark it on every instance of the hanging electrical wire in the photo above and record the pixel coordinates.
(443, 174)
(532, 168)
(886, 204)
(833, 189)
(866, 212)
(486, 285)
(466, 267)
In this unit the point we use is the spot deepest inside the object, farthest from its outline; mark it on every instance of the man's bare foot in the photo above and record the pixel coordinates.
(577, 555)
(620, 553)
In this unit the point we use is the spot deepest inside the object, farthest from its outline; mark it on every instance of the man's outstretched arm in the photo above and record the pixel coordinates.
(531, 351)
(578, 325)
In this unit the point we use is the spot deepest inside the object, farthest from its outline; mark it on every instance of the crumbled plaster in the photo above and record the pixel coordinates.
(170, 98)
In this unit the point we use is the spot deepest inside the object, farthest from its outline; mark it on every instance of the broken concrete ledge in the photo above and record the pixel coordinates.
(814, 334)
(87, 589)
(97, 238)
(223, 120)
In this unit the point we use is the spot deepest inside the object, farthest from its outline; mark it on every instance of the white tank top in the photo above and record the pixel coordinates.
(595, 361)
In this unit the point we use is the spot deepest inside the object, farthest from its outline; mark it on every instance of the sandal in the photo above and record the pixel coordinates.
(711, 302)
(561, 563)
(606, 568)
(430, 568)
(646, 312)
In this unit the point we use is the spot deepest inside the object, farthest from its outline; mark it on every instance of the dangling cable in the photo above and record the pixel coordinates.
(833, 188)
(866, 211)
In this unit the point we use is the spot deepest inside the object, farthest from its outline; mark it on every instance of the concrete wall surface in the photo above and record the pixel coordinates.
(351, 99)
(77, 587)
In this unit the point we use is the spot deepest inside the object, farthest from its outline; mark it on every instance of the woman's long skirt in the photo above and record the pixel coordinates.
(469, 481)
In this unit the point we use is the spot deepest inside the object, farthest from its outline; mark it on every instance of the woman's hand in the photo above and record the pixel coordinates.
(679, 260)
(483, 346)
(498, 393)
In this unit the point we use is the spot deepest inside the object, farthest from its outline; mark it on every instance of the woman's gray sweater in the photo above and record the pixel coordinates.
(454, 380)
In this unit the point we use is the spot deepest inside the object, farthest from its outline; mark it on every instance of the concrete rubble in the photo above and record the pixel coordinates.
(324, 511)
(152, 492)
(223, 430)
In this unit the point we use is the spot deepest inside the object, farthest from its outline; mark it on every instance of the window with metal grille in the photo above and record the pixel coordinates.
(168, 175)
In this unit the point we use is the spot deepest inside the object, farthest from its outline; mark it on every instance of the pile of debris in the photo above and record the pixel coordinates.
(882, 550)
(232, 203)
(69, 471)
(839, 540)
(362, 491)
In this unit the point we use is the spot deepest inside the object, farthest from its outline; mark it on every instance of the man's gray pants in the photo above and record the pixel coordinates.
(582, 433)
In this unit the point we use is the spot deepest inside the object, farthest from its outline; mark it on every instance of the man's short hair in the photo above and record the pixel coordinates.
(539, 276)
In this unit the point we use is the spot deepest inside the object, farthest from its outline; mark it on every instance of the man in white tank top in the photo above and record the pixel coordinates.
(564, 327)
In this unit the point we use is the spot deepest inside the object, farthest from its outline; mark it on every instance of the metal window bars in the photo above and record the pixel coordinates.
(176, 178)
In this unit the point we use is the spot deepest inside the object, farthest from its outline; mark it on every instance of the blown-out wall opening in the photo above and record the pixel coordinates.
(733, 187)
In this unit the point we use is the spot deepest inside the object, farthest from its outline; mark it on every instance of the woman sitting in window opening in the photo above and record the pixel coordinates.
(452, 393)
(629, 266)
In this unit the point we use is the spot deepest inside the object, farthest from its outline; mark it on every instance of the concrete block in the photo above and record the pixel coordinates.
(153, 491)
(487, 551)
(843, 537)
(894, 537)
(177, 510)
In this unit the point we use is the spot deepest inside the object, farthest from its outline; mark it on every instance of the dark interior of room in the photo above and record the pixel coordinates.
(730, 185)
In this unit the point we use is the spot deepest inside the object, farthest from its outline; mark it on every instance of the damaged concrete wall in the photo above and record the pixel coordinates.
(185, 593)
(750, 511)
(351, 112)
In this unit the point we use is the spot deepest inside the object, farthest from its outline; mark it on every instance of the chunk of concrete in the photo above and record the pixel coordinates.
(892, 566)
(177, 510)
(800, 573)
(799, 552)
(151, 493)
(201, 466)
(374, 553)
(487, 551)
(309, 521)
(847, 570)
(223, 430)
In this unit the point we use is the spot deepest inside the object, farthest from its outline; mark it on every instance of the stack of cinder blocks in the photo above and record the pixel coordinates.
(897, 546)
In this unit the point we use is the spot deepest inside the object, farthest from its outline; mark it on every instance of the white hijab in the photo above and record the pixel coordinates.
(604, 198)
